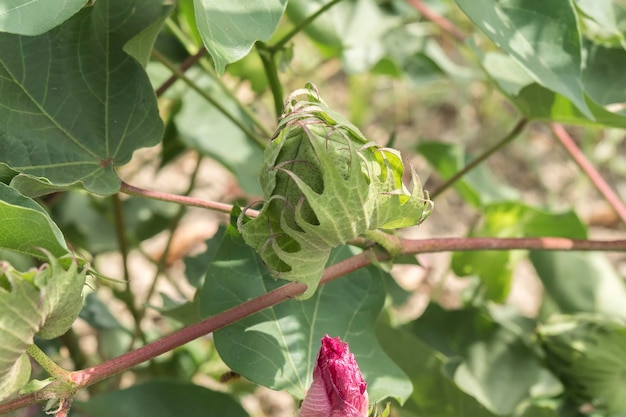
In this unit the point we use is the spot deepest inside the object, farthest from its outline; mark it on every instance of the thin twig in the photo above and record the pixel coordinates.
(583, 163)
(258, 139)
(437, 19)
(180, 199)
(519, 127)
(187, 63)
(298, 28)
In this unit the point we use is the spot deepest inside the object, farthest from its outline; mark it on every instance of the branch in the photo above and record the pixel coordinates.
(187, 63)
(583, 163)
(180, 199)
(447, 26)
(519, 127)
(491, 243)
(259, 140)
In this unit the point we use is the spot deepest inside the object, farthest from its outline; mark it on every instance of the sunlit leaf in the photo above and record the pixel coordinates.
(34, 17)
(43, 302)
(541, 36)
(26, 226)
(230, 29)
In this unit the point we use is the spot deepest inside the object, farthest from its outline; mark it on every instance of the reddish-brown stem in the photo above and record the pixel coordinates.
(180, 199)
(581, 160)
(187, 63)
(527, 243)
(92, 375)
(437, 19)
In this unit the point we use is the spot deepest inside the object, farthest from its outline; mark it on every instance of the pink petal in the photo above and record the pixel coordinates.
(338, 388)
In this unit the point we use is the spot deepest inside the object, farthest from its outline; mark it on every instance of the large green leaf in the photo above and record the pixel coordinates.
(489, 361)
(34, 17)
(26, 227)
(434, 394)
(42, 302)
(230, 29)
(161, 399)
(74, 104)
(278, 346)
(495, 268)
(541, 36)
(602, 78)
(577, 282)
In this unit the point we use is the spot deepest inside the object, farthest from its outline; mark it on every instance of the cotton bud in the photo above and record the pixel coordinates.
(324, 184)
(338, 388)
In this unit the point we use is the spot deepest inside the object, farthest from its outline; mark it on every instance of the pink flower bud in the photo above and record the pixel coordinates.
(338, 388)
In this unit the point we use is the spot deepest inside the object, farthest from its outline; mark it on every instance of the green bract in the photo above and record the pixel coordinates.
(324, 184)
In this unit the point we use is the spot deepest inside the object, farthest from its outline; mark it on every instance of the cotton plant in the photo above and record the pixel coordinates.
(325, 184)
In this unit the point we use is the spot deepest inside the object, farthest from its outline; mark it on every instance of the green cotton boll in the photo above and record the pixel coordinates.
(586, 352)
(324, 184)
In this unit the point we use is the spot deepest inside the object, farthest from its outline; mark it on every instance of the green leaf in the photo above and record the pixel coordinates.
(97, 314)
(587, 353)
(141, 45)
(26, 227)
(601, 21)
(42, 302)
(75, 105)
(478, 187)
(161, 399)
(493, 363)
(278, 347)
(434, 394)
(88, 222)
(495, 268)
(230, 29)
(202, 127)
(61, 284)
(353, 29)
(34, 17)
(602, 78)
(541, 36)
(578, 282)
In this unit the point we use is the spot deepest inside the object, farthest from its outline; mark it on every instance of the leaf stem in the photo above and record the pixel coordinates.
(583, 163)
(187, 63)
(446, 25)
(271, 72)
(298, 28)
(519, 127)
(180, 199)
(258, 139)
(48, 364)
